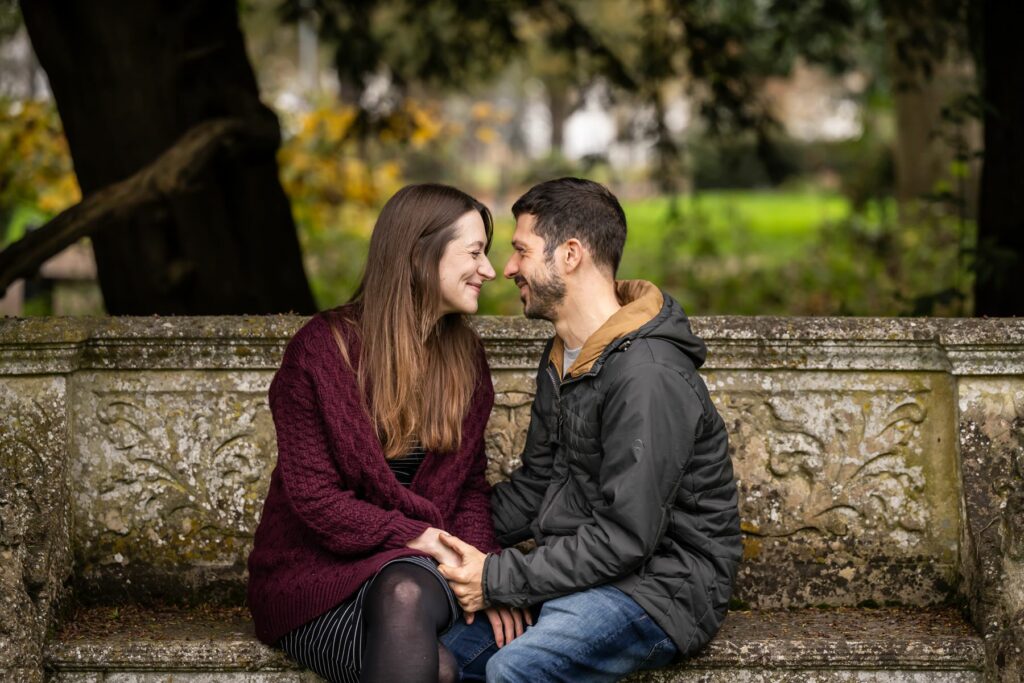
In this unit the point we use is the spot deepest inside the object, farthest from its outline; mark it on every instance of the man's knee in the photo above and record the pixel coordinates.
(510, 664)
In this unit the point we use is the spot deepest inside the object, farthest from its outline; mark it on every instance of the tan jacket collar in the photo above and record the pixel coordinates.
(640, 300)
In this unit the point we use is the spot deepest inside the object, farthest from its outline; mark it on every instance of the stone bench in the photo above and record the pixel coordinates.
(879, 463)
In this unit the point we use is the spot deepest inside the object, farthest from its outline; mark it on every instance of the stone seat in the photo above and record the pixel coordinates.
(129, 643)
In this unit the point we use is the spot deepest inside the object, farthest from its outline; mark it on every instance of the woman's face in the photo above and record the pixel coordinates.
(464, 266)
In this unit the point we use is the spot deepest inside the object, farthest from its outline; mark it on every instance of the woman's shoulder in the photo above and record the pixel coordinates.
(346, 317)
(319, 338)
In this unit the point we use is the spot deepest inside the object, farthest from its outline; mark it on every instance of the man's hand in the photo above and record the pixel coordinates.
(466, 579)
(507, 623)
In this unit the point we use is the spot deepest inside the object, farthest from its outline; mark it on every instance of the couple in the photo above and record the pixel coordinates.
(379, 555)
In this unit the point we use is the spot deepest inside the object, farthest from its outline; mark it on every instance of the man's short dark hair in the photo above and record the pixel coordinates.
(574, 207)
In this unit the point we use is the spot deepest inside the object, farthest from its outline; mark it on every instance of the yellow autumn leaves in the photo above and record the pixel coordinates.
(335, 156)
(36, 177)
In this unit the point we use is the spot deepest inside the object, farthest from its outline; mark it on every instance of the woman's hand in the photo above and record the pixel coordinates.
(429, 542)
(508, 623)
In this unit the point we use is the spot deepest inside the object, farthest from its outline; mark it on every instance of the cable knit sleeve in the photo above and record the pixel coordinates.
(471, 520)
(341, 521)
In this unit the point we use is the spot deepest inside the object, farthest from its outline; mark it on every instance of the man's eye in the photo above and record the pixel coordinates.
(476, 254)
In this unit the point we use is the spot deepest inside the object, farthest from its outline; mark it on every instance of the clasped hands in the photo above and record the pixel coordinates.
(463, 566)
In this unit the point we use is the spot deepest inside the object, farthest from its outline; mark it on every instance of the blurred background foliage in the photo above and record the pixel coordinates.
(36, 176)
(731, 206)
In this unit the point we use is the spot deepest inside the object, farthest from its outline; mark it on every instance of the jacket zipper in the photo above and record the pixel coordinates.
(557, 384)
(558, 436)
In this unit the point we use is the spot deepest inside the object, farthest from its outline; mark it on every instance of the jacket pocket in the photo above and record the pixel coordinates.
(568, 509)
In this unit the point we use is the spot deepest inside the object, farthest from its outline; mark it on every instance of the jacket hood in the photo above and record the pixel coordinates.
(646, 312)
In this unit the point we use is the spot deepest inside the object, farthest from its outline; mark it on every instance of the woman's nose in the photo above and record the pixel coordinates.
(487, 270)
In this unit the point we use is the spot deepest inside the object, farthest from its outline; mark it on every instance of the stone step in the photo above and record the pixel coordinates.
(130, 643)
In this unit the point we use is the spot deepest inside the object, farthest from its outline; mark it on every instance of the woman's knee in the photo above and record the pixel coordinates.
(400, 588)
(447, 667)
(402, 593)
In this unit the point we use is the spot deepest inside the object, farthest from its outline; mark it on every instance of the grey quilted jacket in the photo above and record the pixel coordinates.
(625, 478)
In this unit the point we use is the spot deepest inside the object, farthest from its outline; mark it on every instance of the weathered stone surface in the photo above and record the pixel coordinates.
(843, 638)
(823, 645)
(31, 346)
(992, 458)
(506, 430)
(845, 482)
(966, 346)
(170, 472)
(130, 638)
(756, 675)
(33, 674)
(188, 677)
(659, 676)
(35, 559)
(959, 346)
(513, 342)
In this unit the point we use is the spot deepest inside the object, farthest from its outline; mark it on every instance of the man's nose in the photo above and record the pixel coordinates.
(511, 268)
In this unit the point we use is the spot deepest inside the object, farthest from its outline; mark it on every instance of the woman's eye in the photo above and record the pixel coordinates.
(476, 254)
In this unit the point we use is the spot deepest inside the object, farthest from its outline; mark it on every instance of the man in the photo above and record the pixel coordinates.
(626, 483)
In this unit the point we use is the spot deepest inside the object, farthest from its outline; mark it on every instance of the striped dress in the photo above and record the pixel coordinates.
(332, 644)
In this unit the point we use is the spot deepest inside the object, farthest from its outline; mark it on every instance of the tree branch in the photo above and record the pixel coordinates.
(171, 173)
(617, 70)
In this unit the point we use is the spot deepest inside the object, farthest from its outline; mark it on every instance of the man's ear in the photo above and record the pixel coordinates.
(572, 255)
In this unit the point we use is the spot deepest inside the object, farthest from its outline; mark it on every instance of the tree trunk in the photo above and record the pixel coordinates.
(926, 145)
(560, 107)
(168, 175)
(1000, 257)
(130, 78)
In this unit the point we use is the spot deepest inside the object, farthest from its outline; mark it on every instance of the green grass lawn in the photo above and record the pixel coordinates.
(776, 226)
(769, 228)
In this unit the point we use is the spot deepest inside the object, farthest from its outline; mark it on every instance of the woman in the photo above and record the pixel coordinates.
(380, 408)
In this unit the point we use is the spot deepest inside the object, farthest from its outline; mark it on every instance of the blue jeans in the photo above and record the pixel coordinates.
(599, 634)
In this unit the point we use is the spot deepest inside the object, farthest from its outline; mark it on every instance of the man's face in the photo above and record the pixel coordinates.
(540, 288)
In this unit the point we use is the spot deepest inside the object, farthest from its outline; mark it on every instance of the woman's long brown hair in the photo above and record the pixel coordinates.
(417, 370)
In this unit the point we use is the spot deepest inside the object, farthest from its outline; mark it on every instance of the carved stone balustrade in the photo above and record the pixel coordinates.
(879, 461)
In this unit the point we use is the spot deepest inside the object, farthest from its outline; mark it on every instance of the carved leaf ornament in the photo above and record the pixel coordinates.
(192, 463)
(851, 465)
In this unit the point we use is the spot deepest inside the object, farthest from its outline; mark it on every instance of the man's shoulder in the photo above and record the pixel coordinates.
(646, 355)
(653, 365)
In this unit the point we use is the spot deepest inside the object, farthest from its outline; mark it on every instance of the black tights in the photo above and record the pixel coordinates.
(403, 611)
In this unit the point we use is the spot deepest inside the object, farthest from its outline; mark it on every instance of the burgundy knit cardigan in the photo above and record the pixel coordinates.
(335, 513)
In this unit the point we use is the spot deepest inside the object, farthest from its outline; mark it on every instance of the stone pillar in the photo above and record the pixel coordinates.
(991, 405)
(35, 511)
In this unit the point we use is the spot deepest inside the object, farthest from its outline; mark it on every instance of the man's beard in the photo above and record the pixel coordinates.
(544, 297)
